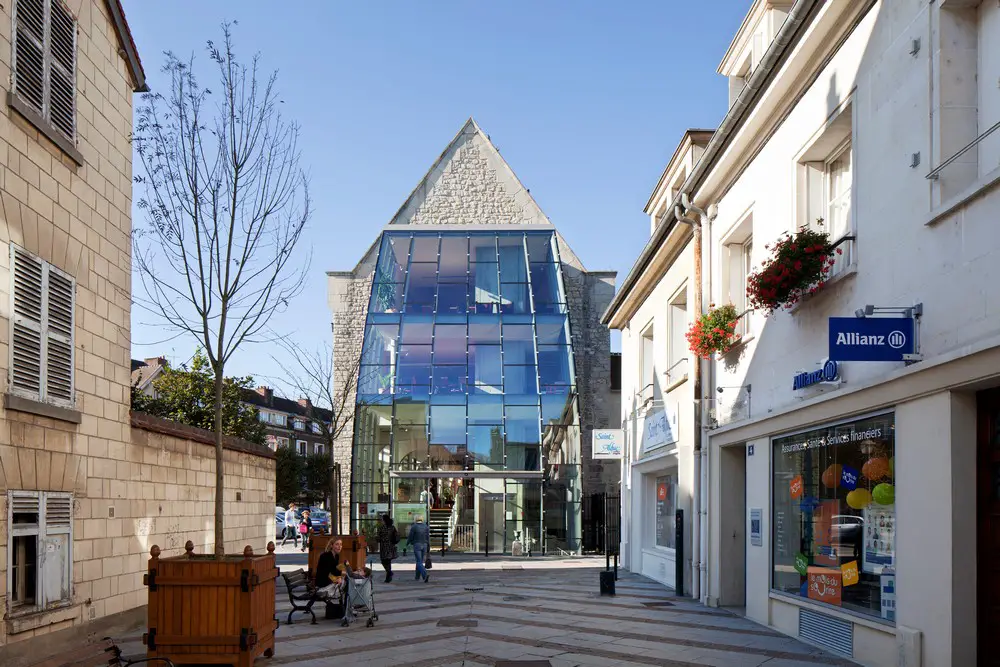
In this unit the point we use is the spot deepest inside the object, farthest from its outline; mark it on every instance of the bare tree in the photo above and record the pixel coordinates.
(312, 375)
(226, 203)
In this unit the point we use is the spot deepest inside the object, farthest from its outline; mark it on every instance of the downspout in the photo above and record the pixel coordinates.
(703, 454)
(698, 412)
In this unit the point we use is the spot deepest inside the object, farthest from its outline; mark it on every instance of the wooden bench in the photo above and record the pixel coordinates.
(301, 593)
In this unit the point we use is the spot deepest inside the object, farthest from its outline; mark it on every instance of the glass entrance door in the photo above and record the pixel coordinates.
(491, 523)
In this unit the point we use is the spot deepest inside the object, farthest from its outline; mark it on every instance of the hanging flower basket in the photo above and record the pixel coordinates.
(798, 266)
(715, 331)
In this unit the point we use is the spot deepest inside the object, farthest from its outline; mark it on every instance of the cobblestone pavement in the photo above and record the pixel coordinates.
(528, 613)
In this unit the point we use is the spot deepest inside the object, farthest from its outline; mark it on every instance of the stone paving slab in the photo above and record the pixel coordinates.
(546, 613)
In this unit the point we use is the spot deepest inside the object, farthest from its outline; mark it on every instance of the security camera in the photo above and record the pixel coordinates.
(859, 313)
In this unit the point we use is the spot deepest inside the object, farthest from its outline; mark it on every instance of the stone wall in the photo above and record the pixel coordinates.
(152, 484)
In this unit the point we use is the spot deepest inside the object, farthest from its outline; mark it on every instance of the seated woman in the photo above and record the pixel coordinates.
(330, 570)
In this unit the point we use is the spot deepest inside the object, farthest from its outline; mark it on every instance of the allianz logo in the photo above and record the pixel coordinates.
(829, 372)
(895, 339)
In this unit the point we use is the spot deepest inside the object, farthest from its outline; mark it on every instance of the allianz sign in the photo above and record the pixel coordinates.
(829, 372)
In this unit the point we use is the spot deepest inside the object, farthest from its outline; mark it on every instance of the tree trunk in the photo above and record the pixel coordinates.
(220, 543)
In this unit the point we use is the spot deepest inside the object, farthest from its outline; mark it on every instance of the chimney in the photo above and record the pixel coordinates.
(156, 361)
(267, 393)
(305, 403)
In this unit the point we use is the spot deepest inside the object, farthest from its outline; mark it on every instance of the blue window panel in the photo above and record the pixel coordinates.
(514, 298)
(391, 265)
(413, 391)
(522, 424)
(523, 457)
(545, 283)
(485, 366)
(484, 329)
(521, 399)
(448, 424)
(424, 249)
(486, 389)
(449, 380)
(540, 248)
(551, 309)
(558, 408)
(421, 286)
(375, 380)
(518, 344)
(414, 355)
(552, 329)
(380, 342)
(485, 409)
(482, 248)
(485, 295)
(513, 265)
(555, 365)
(486, 444)
(453, 297)
(454, 261)
(417, 329)
(449, 343)
(387, 297)
(520, 380)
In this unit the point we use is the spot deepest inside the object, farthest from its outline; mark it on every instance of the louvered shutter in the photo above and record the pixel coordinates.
(45, 61)
(62, 69)
(59, 338)
(29, 52)
(26, 339)
(55, 548)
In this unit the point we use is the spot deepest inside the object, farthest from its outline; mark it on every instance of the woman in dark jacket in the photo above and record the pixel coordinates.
(328, 572)
(387, 537)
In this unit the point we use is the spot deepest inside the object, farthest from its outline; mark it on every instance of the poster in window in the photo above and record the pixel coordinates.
(665, 516)
(824, 585)
(880, 539)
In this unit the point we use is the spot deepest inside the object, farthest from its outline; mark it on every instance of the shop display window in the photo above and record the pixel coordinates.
(666, 511)
(834, 518)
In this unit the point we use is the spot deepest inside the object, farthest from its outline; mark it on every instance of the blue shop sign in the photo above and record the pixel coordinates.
(871, 338)
(828, 372)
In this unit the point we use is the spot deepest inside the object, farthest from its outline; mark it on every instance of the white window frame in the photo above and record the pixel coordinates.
(319, 448)
(677, 347)
(302, 447)
(316, 429)
(45, 333)
(299, 424)
(647, 353)
(42, 530)
(283, 442)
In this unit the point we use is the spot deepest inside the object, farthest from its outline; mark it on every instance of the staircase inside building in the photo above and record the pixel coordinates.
(438, 525)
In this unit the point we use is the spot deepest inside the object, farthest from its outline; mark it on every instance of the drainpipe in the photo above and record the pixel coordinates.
(698, 416)
(703, 284)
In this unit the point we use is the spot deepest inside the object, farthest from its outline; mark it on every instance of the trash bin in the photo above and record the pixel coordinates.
(607, 582)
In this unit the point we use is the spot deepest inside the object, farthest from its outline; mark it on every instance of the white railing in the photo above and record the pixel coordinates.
(464, 537)
(456, 512)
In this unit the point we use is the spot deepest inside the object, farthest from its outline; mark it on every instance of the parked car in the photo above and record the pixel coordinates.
(320, 519)
(279, 522)
(846, 529)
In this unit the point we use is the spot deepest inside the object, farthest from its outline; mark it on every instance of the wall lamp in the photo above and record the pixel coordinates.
(744, 386)
(915, 310)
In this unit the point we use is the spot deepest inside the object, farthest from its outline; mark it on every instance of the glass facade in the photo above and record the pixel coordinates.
(833, 528)
(467, 392)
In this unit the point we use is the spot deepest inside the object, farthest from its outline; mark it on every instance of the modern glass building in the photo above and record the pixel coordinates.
(472, 405)
(466, 388)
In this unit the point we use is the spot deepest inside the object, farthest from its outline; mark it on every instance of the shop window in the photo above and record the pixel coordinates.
(833, 522)
(40, 542)
(666, 511)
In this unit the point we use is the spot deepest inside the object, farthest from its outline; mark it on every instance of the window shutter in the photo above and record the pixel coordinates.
(59, 342)
(23, 502)
(54, 550)
(62, 69)
(29, 52)
(26, 347)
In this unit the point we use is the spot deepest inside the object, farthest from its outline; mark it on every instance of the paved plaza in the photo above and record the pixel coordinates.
(527, 613)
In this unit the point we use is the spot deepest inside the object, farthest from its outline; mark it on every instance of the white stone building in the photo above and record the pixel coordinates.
(883, 120)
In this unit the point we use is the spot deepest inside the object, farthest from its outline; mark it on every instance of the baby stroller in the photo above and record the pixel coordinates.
(359, 597)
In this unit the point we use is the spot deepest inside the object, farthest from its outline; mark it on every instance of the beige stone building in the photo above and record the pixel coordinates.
(86, 491)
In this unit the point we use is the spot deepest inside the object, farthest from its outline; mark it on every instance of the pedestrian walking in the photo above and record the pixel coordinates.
(306, 528)
(387, 537)
(291, 526)
(419, 538)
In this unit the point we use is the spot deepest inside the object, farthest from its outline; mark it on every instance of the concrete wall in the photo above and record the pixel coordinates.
(154, 484)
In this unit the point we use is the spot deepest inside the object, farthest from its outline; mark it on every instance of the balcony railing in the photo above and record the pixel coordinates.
(936, 173)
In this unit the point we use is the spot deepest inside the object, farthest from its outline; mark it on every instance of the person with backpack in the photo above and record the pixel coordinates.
(387, 537)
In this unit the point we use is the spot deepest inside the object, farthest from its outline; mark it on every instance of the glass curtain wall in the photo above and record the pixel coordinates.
(467, 367)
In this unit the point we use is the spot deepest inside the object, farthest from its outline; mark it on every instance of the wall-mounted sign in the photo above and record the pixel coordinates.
(659, 428)
(608, 443)
(827, 373)
(871, 338)
(756, 528)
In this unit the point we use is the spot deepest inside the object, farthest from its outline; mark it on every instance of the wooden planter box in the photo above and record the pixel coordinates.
(208, 611)
(355, 549)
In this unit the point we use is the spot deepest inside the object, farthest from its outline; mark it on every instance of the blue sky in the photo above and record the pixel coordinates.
(586, 100)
